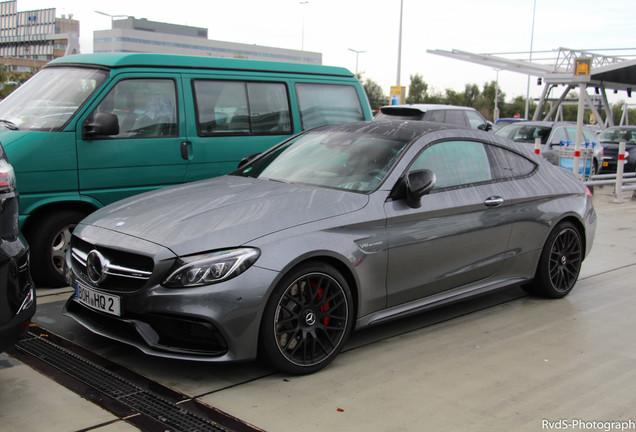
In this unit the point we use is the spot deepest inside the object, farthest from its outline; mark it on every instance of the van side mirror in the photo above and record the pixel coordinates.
(418, 183)
(101, 124)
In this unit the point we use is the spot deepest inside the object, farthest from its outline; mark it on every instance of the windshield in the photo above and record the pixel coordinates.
(525, 133)
(618, 135)
(340, 160)
(49, 99)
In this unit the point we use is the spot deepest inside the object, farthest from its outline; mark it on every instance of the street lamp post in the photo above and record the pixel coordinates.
(357, 54)
(399, 60)
(112, 18)
(534, 9)
(302, 36)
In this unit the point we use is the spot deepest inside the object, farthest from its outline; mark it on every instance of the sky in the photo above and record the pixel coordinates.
(333, 27)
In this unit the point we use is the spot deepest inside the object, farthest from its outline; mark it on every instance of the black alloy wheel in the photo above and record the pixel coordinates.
(307, 319)
(560, 263)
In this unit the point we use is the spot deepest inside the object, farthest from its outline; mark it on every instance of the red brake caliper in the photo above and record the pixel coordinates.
(323, 308)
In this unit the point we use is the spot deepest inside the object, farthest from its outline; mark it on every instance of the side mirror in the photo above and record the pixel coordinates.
(101, 124)
(486, 126)
(247, 160)
(418, 183)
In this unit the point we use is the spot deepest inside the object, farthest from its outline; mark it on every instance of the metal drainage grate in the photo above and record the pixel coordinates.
(110, 384)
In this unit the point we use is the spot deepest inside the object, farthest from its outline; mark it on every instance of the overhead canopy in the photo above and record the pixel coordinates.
(612, 72)
(605, 72)
(618, 76)
(572, 68)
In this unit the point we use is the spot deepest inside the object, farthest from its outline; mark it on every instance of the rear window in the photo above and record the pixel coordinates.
(324, 104)
(389, 113)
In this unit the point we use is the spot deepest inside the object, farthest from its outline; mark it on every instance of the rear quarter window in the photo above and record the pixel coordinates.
(323, 104)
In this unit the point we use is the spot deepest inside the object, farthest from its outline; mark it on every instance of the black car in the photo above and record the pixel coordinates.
(611, 138)
(17, 293)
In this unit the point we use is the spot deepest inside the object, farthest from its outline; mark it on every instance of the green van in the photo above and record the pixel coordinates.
(88, 130)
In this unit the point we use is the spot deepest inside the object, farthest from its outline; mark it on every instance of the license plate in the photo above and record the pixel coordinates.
(605, 164)
(97, 300)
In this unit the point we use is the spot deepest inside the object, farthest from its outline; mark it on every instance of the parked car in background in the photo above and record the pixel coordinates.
(554, 136)
(336, 229)
(455, 115)
(611, 138)
(88, 130)
(17, 294)
(501, 122)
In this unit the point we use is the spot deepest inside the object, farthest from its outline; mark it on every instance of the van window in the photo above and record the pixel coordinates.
(241, 108)
(322, 104)
(48, 100)
(144, 108)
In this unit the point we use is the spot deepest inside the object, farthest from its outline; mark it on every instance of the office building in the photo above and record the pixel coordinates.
(30, 39)
(141, 35)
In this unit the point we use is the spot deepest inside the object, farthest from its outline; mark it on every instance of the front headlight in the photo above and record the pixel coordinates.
(210, 268)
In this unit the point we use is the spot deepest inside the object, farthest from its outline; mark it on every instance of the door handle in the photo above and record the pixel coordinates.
(494, 201)
(185, 154)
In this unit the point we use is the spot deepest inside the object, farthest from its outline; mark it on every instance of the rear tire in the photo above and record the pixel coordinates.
(560, 263)
(49, 239)
(307, 319)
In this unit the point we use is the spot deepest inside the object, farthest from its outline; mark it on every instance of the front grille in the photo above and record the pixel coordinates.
(125, 271)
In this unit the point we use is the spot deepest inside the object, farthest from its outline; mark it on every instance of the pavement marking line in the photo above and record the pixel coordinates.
(131, 397)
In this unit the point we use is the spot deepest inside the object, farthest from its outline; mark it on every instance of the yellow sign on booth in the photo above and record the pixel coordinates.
(398, 95)
(582, 66)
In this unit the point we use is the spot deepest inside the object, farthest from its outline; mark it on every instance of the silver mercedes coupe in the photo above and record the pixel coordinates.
(335, 229)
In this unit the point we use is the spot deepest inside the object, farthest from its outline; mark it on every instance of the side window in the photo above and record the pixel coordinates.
(589, 137)
(435, 116)
(506, 164)
(455, 117)
(475, 120)
(323, 104)
(455, 163)
(269, 108)
(144, 108)
(241, 108)
(558, 136)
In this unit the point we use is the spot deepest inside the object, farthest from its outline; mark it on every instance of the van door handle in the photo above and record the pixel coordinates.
(494, 201)
(185, 154)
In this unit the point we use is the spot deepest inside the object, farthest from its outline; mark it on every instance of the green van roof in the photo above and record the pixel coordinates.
(120, 60)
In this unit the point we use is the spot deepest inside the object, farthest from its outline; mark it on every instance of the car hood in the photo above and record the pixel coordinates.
(224, 212)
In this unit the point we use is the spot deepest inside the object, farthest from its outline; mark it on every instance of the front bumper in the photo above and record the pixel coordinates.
(218, 322)
(17, 293)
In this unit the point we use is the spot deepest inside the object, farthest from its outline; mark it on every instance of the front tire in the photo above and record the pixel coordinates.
(560, 263)
(49, 239)
(307, 319)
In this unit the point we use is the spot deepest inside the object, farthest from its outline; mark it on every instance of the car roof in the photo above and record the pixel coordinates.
(625, 127)
(425, 107)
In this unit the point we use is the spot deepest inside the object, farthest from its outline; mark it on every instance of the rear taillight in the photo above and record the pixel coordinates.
(7, 177)
(588, 192)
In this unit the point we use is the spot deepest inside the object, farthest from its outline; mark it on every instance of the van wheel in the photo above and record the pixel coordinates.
(49, 239)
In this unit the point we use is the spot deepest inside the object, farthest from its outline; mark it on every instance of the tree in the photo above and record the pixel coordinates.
(375, 94)
(417, 90)
(470, 95)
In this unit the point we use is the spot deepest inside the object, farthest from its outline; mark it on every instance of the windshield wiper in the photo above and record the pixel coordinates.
(9, 124)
